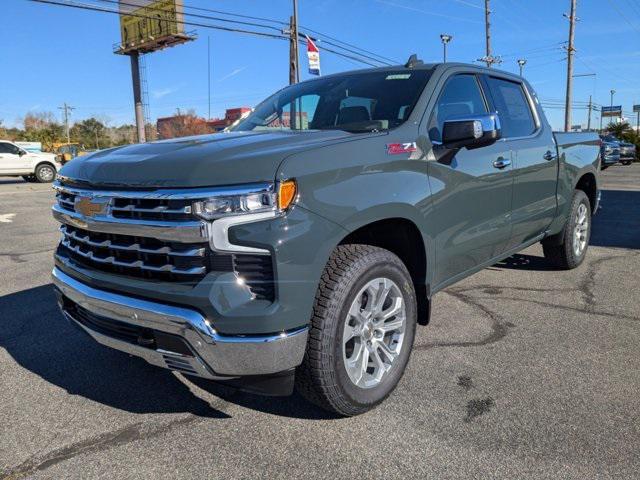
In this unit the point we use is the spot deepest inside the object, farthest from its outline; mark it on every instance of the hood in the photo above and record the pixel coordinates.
(202, 161)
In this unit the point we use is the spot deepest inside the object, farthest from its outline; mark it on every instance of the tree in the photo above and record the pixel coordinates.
(91, 133)
(182, 125)
(41, 127)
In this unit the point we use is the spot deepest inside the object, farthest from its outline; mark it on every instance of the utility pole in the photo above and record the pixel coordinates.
(589, 115)
(488, 58)
(292, 53)
(487, 24)
(209, 74)
(137, 95)
(445, 40)
(295, 26)
(570, 52)
(521, 63)
(66, 109)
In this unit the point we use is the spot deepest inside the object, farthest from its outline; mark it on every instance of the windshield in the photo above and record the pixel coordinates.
(355, 102)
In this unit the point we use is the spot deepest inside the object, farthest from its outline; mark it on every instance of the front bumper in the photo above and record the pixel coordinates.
(207, 353)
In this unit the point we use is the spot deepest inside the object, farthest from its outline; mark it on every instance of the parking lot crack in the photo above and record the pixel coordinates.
(105, 441)
(499, 328)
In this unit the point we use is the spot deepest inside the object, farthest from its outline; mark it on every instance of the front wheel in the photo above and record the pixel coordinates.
(626, 162)
(45, 173)
(362, 331)
(570, 251)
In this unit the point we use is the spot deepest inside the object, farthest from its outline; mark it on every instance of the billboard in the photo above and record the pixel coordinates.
(150, 25)
(613, 111)
(636, 108)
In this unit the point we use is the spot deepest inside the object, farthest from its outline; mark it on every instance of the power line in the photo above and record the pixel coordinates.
(93, 7)
(626, 19)
(370, 55)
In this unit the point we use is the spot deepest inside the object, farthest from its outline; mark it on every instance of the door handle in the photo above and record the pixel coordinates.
(549, 156)
(501, 163)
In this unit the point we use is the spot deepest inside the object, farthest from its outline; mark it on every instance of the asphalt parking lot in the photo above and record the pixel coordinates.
(523, 372)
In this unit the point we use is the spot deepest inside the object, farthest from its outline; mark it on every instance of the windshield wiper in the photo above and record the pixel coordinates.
(357, 127)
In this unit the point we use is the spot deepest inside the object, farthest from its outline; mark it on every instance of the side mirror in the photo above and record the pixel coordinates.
(22, 152)
(471, 132)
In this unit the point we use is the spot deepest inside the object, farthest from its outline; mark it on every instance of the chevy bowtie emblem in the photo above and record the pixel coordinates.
(90, 207)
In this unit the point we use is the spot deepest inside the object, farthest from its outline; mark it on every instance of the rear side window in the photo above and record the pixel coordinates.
(513, 108)
(460, 97)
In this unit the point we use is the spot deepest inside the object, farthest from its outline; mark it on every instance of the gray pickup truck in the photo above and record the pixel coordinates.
(303, 247)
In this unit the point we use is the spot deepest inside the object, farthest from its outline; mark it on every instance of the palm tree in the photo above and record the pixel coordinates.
(618, 129)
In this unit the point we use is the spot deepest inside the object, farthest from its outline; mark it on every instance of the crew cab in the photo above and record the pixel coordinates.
(303, 247)
(32, 166)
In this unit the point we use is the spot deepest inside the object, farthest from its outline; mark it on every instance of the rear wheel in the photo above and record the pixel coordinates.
(570, 251)
(626, 162)
(45, 173)
(362, 331)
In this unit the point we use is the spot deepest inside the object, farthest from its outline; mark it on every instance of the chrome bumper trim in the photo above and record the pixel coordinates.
(223, 355)
(185, 232)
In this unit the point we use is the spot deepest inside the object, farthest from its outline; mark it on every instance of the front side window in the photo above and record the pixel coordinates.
(513, 108)
(8, 148)
(355, 102)
(460, 98)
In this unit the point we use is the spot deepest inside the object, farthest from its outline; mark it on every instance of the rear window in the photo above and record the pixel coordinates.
(513, 108)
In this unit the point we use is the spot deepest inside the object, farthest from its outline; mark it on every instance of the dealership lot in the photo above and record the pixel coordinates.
(522, 372)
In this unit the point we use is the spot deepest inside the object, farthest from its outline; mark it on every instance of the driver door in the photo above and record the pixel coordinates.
(11, 163)
(471, 189)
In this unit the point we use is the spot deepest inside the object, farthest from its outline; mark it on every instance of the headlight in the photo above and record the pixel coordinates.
(265, 199)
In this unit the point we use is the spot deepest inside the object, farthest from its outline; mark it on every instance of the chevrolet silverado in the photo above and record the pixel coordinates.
(302, 248)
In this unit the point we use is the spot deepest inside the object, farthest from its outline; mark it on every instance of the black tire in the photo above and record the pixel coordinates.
(560, 252)
(45, 173)
(322, 378)
(627, 162)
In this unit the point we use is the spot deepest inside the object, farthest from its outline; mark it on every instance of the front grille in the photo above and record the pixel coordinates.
(171, 210)
(143, 257)
(137, 256)
(187, 261)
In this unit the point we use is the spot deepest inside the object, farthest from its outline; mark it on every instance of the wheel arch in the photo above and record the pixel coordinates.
(402, 237)
(588, 184)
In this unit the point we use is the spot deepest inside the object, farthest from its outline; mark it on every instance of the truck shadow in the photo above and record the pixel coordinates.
(39, 339)
(617, 225)
(10, 180)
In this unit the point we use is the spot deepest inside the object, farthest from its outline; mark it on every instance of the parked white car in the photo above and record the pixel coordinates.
(32, 166)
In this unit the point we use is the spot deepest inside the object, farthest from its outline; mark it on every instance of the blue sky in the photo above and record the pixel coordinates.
(53, 55)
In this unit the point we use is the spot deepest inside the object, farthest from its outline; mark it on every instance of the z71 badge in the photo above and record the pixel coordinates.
(400, 148)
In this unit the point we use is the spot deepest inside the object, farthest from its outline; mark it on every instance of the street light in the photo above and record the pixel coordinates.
(521, 63)
(611, 104)
(445, 39)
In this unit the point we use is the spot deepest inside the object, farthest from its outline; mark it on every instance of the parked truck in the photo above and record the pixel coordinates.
(32, 166)
(304, 247)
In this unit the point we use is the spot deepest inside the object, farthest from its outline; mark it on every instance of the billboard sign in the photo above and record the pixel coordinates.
(149, 25)
(613, 111)
(636, 108)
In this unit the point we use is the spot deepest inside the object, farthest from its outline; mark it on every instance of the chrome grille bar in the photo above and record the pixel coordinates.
(135, 247)
(135, 264)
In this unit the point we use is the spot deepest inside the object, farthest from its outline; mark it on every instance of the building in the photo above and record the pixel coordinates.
(182, 125)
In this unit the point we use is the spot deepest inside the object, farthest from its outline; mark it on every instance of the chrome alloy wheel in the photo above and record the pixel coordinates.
(47, 173)
(373, 332)
(580, 230)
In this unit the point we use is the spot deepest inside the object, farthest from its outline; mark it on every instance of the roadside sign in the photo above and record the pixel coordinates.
(613, 111)
(636, 108)
(149, 25)
(313, 54)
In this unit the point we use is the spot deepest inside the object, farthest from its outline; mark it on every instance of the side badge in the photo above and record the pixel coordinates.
(400, 148)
